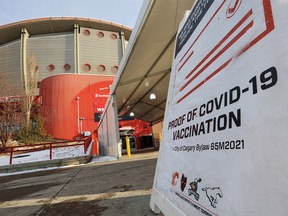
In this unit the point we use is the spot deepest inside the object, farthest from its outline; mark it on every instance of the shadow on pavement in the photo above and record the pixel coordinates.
(116, 188)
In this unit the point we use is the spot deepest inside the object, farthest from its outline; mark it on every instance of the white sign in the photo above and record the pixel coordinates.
(101, 95)
(224, 148)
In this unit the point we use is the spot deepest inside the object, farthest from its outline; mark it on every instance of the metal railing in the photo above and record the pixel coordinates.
(43, 146)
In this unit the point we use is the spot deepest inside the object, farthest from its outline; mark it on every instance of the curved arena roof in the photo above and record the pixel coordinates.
(11, 32)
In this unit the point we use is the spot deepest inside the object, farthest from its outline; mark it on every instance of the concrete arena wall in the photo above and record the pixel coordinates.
(96, 51)
(52, 49)
(10, 66)
(59, 53)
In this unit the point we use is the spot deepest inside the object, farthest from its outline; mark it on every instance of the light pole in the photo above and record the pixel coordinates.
(78, 112)
(81, 120)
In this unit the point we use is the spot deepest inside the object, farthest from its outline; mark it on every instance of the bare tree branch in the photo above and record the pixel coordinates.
(9, 112)
(29, 90)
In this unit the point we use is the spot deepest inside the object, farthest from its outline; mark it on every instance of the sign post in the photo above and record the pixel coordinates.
(225, 152)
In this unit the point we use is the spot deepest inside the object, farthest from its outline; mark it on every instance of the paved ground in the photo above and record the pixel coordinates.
(120, 187)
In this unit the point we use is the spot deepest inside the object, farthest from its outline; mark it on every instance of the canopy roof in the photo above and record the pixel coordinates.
(146, 65)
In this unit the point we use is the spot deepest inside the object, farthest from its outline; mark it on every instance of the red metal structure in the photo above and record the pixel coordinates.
(71, 102)
(139, 132)
(72, 105)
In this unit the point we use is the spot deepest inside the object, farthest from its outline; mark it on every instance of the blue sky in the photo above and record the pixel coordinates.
(123, 12)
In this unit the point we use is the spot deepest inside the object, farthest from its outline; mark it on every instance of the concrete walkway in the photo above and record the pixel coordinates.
(121, 187)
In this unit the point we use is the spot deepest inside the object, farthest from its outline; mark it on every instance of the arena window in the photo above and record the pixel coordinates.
(86, 32)
(114, 69)
(100, 34)
(86, 67)
(101, 68)
(67, 67)
(51, 67)
(113, 36)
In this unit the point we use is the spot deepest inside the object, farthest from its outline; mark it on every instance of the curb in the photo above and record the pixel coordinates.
(45, 164)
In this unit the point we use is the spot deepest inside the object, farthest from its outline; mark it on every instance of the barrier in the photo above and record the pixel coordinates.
(225, 129)
(108, 130)
(43, 146)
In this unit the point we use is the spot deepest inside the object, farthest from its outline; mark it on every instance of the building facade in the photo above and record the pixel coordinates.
(60, 46)
(75, 61)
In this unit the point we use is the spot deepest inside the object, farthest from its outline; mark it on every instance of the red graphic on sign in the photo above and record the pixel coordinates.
(238, 31)
(232, 8)
(198, 38)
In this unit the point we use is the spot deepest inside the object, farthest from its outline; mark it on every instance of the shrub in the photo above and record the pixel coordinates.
(33, 133)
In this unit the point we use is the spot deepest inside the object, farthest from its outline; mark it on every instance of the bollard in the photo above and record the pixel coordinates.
(50, 146)
(128, 146)
(11, 155)
(160, 138)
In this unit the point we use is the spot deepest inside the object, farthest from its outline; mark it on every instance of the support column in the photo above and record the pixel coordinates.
(23, 58)
(123, 43)
(76, 48)
(116, 122)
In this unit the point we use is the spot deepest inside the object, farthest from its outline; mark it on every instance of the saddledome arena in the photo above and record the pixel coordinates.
(75, 60)
(61, 46)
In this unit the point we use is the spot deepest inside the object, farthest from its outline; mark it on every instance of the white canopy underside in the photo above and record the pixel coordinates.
(146, 64)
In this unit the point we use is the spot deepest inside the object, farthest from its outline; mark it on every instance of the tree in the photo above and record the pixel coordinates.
(9, 118)
(9, 111)
(29, 90)
(15, 111)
